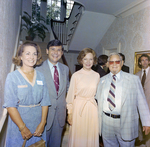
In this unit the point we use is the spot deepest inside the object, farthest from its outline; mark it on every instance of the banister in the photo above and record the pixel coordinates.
(63, 35)
(66, 24)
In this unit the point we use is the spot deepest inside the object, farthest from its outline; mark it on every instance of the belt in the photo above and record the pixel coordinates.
(112, 115)
(35, 105)
(85, 101)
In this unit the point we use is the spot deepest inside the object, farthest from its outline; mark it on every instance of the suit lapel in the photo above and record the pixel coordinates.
(104, 83)
(61, 77)
(140, 75)
(100, 92)
(125, 87)
(148, 76)
(49, 78)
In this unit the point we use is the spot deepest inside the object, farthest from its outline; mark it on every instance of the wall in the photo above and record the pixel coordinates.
(9, 21)
(133, 32)
(90, 30)
(71, 59)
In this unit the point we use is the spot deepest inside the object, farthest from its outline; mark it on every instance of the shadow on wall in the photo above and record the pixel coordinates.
(3, 133)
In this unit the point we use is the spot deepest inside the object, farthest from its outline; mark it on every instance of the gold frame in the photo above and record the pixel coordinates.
(136, 57)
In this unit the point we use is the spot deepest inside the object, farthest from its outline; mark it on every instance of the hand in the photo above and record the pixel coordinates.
(39, 130)
(26, 134)
(146, 129)
(69, 119)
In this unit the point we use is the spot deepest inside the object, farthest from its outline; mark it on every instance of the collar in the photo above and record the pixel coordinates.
(117, 75)
(51, 65)
(147, 69)
(101, 66)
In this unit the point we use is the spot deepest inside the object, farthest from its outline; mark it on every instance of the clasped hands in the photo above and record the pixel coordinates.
(26, 134)
(146, 129)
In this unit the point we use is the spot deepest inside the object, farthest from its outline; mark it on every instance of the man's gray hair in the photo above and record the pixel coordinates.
(114, 54)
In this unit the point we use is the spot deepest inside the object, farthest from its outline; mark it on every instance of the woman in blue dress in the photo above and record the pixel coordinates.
(26, 98)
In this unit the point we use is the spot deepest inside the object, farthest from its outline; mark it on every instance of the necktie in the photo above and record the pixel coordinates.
(111, 95)
(56, 79)
(143, 78)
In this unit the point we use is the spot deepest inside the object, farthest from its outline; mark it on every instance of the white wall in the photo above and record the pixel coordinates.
(133, 32)
(9, 22)
(71, 59)
(90, 30)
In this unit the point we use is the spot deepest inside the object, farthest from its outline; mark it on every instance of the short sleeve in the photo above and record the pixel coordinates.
(10, 92)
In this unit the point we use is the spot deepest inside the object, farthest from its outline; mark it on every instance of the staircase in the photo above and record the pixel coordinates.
(82, 29)
(64, 30)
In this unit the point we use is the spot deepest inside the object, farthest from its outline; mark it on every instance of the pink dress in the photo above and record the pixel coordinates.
(84, 131)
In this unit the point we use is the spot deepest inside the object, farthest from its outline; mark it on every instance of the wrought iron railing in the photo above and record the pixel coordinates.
(64, 30)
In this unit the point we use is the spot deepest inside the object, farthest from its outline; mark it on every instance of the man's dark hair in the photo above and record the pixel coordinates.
(102, 59)
(123, 56)
(139, 60)
(55, 43)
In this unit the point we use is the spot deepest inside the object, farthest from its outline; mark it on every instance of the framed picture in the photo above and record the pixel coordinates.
(136, 57)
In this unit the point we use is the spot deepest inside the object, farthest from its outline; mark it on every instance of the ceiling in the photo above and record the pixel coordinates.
(112, 7)
(96, 11)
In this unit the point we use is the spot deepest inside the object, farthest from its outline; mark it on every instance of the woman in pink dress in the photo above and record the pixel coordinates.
(81, 104)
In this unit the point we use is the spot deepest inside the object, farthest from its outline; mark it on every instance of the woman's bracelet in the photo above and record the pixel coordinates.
(22, 127)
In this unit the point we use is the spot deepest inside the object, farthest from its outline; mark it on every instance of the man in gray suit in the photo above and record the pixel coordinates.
(144, 75)
(57, 78)
(120, 97)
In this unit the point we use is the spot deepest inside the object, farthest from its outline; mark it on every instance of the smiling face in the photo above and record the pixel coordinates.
(115, 64)
(144, 62)
(54, 54)
(29, 56)
(88, 61)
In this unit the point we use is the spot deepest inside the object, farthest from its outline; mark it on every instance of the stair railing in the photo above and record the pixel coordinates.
(64, 30)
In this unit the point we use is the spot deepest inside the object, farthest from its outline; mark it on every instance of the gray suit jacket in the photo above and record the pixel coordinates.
(57, 101)
(133, 101)
(146, 86)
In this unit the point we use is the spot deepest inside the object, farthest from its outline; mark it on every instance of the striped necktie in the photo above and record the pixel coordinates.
(111, 95)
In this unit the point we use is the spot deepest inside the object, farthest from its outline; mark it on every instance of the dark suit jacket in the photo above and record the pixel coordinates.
(100, 71)
(125, 68)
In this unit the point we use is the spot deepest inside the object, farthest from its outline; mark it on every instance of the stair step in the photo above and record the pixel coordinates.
(80, 6)
(70, 35)
(72, 29)
(78, 14)
(74, 22)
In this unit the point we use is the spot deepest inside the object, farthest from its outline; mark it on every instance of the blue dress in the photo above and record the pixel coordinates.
(19, 91)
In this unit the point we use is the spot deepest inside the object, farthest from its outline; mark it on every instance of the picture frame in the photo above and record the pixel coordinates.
(136, 57)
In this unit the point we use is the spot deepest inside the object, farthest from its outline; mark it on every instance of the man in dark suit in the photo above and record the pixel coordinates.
(57, 78)
(124, 67)
(102, 63)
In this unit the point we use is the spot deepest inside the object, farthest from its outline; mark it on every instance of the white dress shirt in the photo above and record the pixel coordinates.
(118, 95)
(146, 71)
(52, 69)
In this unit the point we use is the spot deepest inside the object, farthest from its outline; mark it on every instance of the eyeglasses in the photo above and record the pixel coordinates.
(116, 62)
